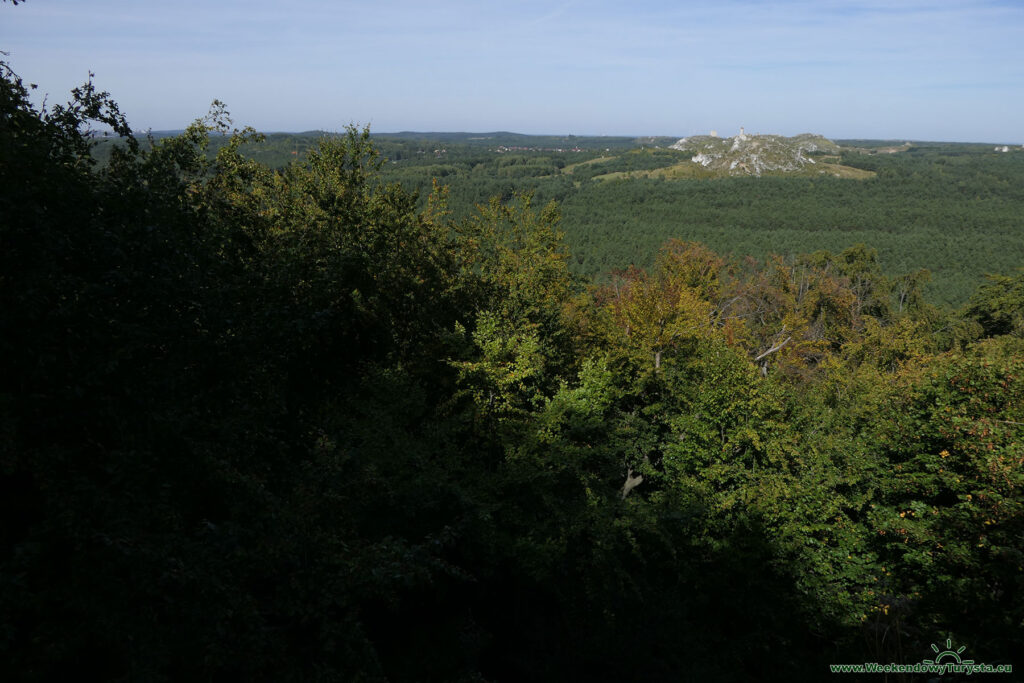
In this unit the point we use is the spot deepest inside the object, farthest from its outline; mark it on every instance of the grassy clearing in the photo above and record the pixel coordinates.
(569, 169)
(840, 171)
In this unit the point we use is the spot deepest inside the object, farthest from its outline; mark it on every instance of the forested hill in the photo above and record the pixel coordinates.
(291, 424)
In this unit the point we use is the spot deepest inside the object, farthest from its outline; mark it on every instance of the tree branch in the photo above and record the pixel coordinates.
(773, 349)
(631, 482)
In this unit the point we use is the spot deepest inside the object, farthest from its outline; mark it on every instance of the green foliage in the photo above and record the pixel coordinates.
(301, 424)
(948, 526)
(998, 305)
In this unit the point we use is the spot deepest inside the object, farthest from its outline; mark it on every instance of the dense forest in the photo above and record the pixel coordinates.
(954, 209)
(295, 422)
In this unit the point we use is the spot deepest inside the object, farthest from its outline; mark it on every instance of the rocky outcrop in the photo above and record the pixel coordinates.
(755, 154)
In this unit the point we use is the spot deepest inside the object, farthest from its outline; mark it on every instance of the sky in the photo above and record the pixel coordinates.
(882, 69)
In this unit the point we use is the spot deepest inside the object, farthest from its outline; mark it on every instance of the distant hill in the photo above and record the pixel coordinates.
(757, 155)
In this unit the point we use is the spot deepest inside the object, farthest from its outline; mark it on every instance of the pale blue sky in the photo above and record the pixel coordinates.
(940, 70)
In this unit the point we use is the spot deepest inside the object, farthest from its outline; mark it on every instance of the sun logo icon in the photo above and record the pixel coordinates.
(948, 653)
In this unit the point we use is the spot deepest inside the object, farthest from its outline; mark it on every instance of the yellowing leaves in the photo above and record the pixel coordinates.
(648, 317)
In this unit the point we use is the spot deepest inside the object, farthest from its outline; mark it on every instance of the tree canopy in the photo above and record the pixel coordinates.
(297, 424)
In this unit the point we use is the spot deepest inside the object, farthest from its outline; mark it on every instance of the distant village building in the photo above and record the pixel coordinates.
(714, 133)
(1004, 148)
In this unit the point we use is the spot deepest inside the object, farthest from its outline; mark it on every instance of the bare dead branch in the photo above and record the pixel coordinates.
(773, 349)
(631, 482)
